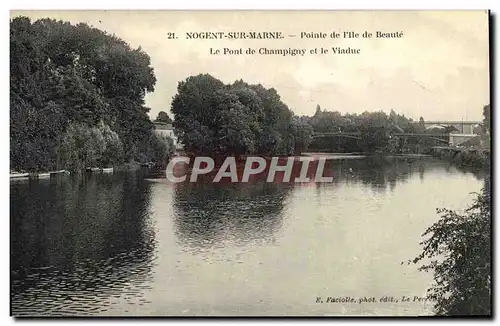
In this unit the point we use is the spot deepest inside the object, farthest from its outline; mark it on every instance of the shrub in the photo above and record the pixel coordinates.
(459, 251)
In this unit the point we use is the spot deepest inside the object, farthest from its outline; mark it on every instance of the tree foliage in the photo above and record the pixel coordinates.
(211, 117)
(302, 133)
(83, 146)
(458, 248)
(214, 118)
(163, 117)
(487, 118)
(63, 74)
(421, 124)
(374, 131)
(160, 148)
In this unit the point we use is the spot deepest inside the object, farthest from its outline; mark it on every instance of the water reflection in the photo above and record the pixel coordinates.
(208, 214)
(376, 172)
(76, 242)
(382, 173)
(118, 244)
(212, 214)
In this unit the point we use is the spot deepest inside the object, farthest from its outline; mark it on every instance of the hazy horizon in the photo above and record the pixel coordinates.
(439, 70)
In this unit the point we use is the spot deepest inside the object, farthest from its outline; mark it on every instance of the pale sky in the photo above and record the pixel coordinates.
(438, 70)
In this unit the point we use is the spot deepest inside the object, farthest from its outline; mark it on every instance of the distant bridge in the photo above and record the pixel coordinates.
(357, 135)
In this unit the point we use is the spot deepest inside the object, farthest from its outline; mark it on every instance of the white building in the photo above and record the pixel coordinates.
(464, 130)
(166, 129)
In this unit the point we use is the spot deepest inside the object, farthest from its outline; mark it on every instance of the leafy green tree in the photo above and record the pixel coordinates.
(274, 118)
(112, 153)
(393, 117)
(195, 109)
(160, 148)
(76, 150)
(487, 118)
(31, 148)
(302, 133)
(328, 121)
(318, 110)
(214, 118)
(421, 124)
(252, 107)
(374, 130)
(458, 247)
(83, 146)
(62, 74)
(163, 117)
(235, 135)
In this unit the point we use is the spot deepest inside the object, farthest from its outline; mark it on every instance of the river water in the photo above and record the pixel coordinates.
(128, 244)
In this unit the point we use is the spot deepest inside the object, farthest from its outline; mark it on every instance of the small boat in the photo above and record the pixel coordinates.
(19, 175)
(59, 172)
(107, 170)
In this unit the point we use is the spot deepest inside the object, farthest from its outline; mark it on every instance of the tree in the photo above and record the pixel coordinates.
(318, 110)
(275, 118)
(195, 109)
(211, 117)
(62, 74)
(369, 132)
(83, 146)
(113, 152)
(302, 133)
(421, 124)
(487, 118)
(373, 128)
(163, 117)
(393, 117)
(234, 135)
(458, 246)
(160, 148)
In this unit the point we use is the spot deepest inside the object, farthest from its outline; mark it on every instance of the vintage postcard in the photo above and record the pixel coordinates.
(250, 163)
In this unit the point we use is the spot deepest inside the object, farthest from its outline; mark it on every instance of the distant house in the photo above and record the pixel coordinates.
(166, 129)
(459, 131)
(462, 127)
